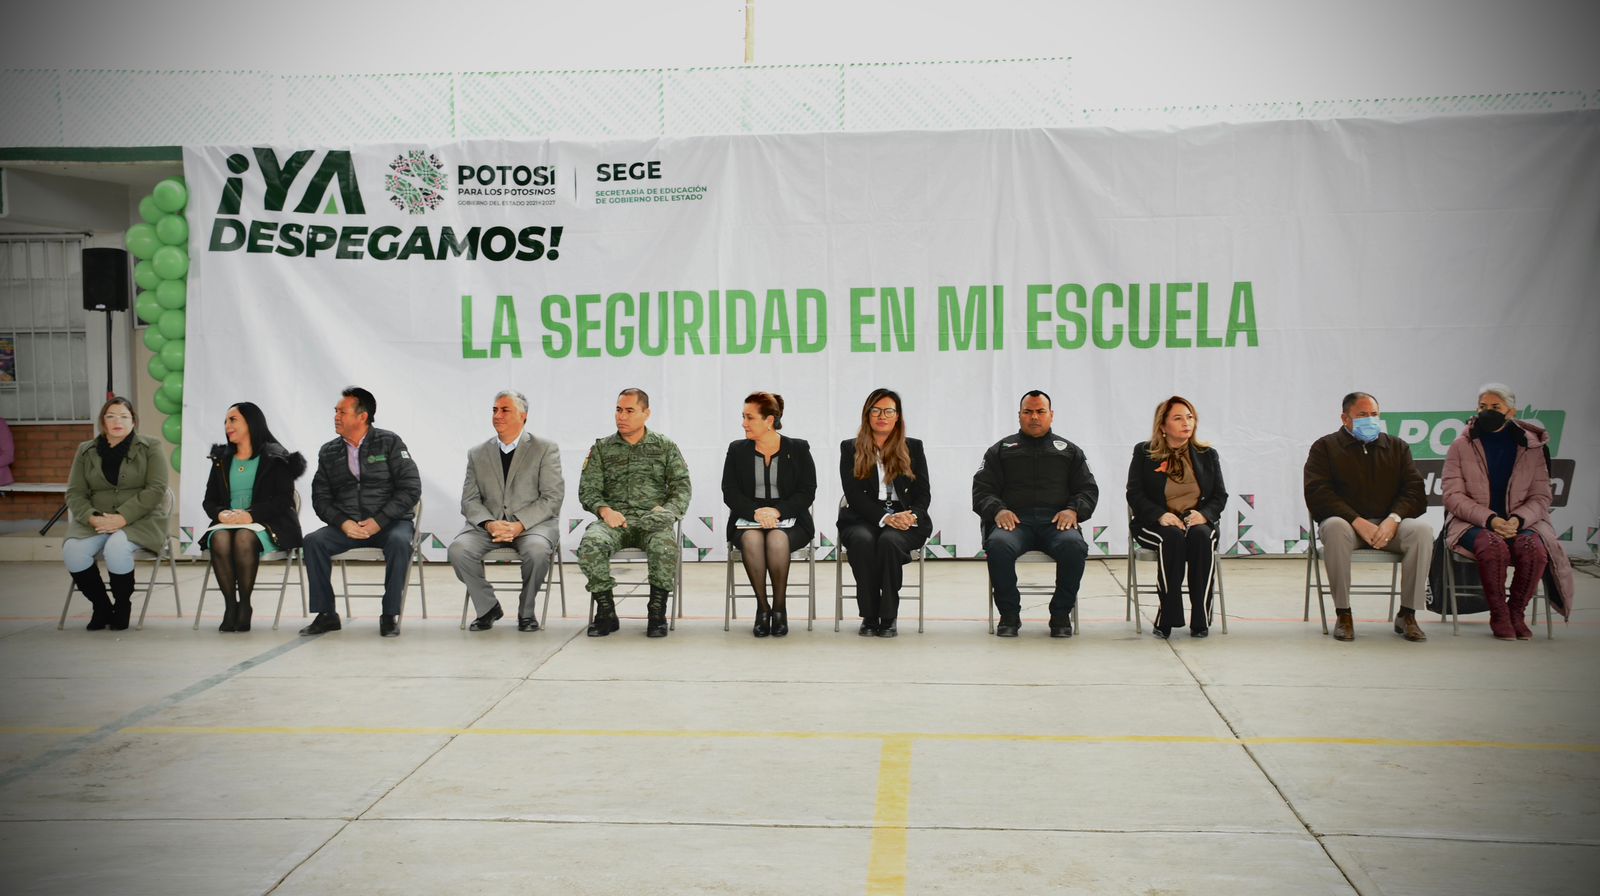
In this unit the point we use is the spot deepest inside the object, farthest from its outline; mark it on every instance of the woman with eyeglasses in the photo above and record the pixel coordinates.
(117, 493)
(768, 483)
(885, 517)
(1175, 497)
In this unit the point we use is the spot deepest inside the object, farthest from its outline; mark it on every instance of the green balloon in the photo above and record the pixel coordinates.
(172, 354)
(158, 370)
(167, 405)
(173, 230)
(172, 384)
(177, 458)
(171, 262)
(147, 307)
(148, 210)
(172, 323)
(172, 428)
(170, 195)
(144, 274)
(153, 340)
(172, 294)
(142, 241)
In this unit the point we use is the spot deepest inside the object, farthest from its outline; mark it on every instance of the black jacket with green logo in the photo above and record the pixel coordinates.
(387, 490)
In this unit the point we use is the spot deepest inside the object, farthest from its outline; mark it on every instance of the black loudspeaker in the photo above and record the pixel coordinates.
(105, 280)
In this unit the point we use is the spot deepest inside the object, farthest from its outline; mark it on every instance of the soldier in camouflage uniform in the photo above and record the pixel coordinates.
(637, 483)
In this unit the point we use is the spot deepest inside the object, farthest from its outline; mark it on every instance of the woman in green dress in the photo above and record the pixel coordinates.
(250, 500)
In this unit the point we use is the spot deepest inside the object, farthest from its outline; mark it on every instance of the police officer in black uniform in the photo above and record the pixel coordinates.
(1032, 492)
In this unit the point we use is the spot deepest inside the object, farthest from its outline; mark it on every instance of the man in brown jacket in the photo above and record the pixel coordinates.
(1364, 490)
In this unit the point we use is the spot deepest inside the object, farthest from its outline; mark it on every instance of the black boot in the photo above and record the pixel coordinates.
(657, 626)
(230, 613)
(93, 588)
(780, 622)
(605, 616)
(122, 597)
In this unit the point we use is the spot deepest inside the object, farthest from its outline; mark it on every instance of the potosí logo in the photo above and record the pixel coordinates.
(1430, 433)
(417, 183)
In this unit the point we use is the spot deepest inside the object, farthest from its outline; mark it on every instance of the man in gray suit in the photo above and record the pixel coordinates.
(511, 498)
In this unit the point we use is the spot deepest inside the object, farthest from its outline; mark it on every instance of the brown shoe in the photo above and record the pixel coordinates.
(1344, 627)
(1405, 623)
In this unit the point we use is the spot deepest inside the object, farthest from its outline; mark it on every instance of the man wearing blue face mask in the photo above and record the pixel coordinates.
(1364, 490)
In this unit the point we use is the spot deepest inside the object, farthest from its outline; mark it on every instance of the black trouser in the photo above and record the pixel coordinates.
(878, 556)
(1177, 550)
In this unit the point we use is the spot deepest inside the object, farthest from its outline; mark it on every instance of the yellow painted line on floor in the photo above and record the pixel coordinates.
(42, 729)
(682, 734)
(886, 866)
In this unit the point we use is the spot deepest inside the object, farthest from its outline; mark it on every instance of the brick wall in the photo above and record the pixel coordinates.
(44, 454)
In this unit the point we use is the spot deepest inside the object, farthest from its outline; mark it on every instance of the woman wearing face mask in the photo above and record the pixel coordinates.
(250, 499)
(1497, 506)
(885, 517)
(116, 492)
(1176, 496)
(768, 483)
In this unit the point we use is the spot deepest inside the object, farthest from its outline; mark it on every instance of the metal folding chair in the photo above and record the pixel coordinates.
(1137, 551)
(908, 591)
(167, 554)
(1359, 555)
(290, 558)
(737, 589)
(375, 555)
(506, 555)
(1025, 589)
(638, 557)
(1453, 588)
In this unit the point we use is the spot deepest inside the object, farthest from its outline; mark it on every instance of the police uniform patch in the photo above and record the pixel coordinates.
(1060, 445)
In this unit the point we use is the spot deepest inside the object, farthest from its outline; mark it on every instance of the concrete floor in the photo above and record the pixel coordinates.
(1269, 760)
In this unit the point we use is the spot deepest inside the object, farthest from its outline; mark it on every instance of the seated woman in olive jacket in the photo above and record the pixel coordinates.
(1176, 496)
(251, 483)
(768, 483)
(117, 493)
(885, 517)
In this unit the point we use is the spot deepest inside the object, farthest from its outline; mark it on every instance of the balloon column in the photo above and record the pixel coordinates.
(160, 243)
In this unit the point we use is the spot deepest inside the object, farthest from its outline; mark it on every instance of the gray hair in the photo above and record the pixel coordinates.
(514, 395)
(1502, 390)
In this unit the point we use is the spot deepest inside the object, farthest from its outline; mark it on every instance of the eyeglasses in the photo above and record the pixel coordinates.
(885, 413)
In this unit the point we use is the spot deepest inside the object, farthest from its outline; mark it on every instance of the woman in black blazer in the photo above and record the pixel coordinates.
(1176, 496)
(885, 517)
(768, 483)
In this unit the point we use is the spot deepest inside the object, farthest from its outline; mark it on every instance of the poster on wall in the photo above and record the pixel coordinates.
(1261, 271)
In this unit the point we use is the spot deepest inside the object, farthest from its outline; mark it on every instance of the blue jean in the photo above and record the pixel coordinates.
(323, 545)
(80, 553)
(1035, 532)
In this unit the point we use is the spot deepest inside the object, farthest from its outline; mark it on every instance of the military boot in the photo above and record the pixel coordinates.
(605, 616)
(657, 626)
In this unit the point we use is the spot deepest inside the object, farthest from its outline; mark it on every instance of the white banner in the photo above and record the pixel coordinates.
(1261, 270)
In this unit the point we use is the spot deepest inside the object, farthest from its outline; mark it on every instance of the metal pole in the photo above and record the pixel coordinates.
(749, 31)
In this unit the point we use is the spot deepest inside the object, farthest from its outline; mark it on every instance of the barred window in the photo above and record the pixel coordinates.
(44, 361)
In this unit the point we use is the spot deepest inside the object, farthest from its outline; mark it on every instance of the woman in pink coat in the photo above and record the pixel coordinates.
(1497, 511)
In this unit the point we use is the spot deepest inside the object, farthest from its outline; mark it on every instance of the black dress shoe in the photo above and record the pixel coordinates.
(527, 623)
(780, 623)
(763, 624)
(1160, 634)
(1199, 632)
(323, 622)
(389, 626)
(868, 629)
(487, 620)
(1061, 631)
(1008, 628)
(888, 630)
